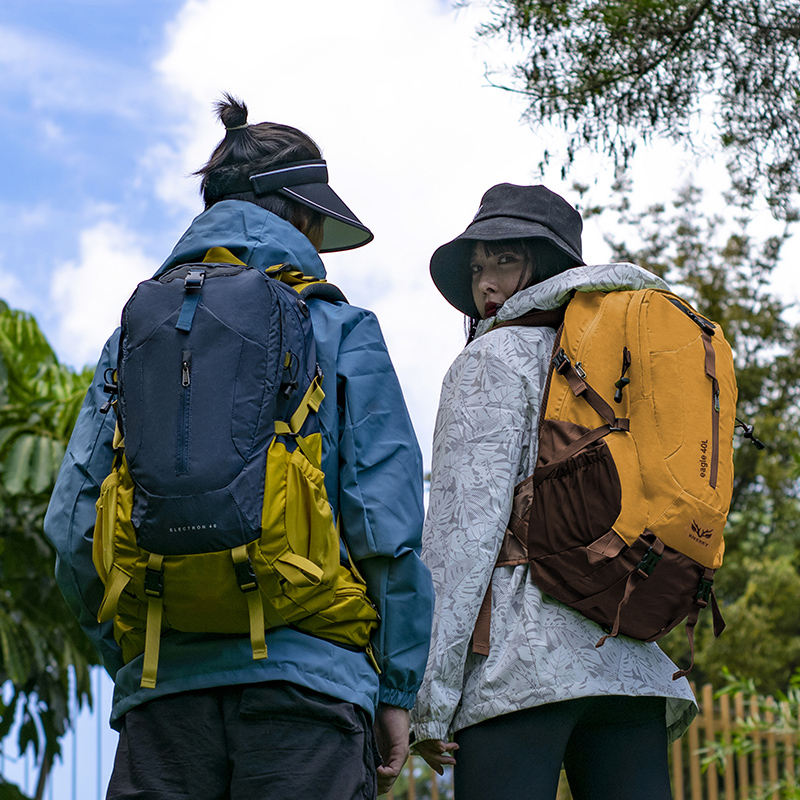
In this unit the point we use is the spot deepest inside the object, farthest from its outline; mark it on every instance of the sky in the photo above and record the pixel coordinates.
(107, 110)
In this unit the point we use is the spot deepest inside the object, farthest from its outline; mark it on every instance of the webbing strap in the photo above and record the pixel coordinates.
(307, 451)
(312, 571)
(711, 371)
(536, 318)
(255, 608)
(152, 637)
(634, 579)
(716, 615)
(691, 621)
(193, 284)
(483, 625)
(311, 401)
(580, 388)
(118, 442)
(118, 581)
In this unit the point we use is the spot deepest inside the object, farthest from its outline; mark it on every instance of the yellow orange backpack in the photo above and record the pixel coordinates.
(624, 515)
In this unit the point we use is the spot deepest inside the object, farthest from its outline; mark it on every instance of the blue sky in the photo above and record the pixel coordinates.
(79, 107)
(107, 110)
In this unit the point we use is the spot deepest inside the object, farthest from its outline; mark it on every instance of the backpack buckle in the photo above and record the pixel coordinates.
(245, 576)
(153, 582)
(648, 563)
(703, 592)
(561, 362)
(194, 280)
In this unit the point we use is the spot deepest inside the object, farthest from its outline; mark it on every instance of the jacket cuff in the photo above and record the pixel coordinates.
(428, 730)
(396, 697)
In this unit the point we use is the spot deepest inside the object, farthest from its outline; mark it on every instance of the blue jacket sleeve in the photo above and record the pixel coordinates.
(69, 523)
(373, 470)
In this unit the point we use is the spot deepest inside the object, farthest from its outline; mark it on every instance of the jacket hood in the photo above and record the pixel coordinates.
(258, 237)
(556, 291)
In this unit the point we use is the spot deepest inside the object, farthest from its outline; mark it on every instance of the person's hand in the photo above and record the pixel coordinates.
(437, 753)
(391, 733)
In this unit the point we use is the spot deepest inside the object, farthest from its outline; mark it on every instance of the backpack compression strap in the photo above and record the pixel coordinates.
(311, 401)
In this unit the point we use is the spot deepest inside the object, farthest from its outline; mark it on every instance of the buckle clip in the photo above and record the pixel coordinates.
(648, 563)
(245, 576)
(153, 582)
(194, 280)
(561, 362)
(703, 592)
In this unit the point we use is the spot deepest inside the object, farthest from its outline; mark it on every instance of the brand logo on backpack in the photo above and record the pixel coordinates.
(704, 458)
(700, 535)
(197, 527)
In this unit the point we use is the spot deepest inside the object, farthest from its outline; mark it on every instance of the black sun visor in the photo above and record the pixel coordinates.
(306, 182)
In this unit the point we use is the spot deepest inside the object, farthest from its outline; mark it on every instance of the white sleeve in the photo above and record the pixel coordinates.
(488, 413)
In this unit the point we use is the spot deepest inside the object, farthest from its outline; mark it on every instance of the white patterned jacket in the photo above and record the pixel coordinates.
(484, 444)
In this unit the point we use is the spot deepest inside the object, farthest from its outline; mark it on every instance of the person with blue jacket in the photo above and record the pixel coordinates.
(314, 719)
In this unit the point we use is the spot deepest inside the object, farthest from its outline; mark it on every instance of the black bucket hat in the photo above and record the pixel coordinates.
(506, 212)
(306, 182)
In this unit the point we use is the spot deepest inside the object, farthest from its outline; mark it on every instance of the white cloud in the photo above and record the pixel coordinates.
(92, 291)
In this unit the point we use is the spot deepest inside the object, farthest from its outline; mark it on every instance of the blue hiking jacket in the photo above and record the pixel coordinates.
(373, 476)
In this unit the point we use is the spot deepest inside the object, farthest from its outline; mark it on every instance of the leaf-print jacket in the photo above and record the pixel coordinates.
(484, 444)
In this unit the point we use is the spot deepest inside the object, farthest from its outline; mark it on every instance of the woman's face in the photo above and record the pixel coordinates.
(496, 277)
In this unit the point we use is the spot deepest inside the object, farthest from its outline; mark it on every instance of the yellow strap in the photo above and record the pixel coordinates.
(306, 450)
(255, 608)
(291, 276)
(312, 400)
(309, 569)
(119, 440)
(371, 657)
(152, 639)
(221, 255)
(117, 582)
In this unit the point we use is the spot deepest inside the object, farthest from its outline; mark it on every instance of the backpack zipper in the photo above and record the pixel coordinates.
(184, 415)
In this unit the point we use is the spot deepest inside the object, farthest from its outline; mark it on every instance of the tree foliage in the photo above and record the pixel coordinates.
(613, 73)
(717, 262)
(42, 649)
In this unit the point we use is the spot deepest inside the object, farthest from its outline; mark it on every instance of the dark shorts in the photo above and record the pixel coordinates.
(612, 748)
(272, 740)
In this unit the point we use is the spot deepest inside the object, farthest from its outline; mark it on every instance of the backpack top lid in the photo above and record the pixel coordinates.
(198, 400)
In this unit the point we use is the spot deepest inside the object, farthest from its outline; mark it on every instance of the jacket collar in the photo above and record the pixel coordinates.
(556, 291)
(256, 236)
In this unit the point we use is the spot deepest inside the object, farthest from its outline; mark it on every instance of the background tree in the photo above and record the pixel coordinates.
(44, 656)
(613, 73)
(721, 266)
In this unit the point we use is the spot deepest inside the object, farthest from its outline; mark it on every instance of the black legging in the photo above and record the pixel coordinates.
(612, 748)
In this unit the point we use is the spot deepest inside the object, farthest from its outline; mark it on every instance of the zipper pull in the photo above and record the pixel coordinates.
(186, 361)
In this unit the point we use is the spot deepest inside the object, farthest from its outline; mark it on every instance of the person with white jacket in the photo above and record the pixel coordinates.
(545, 695)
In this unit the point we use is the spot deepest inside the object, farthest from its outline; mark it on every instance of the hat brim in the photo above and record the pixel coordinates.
(450, 261)
(342, 229)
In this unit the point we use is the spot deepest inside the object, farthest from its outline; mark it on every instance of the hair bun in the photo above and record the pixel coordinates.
(232, 113)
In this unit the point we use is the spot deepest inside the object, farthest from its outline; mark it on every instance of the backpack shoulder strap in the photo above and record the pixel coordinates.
(306, 285)
(537, 318)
